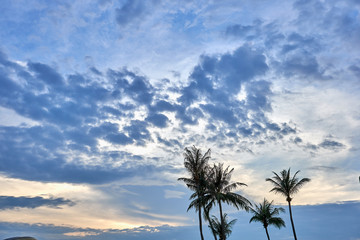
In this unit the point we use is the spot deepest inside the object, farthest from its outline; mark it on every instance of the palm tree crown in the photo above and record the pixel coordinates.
(219, 228)
(221, 188)
(265, 213)
(286, 185)
(196, 164)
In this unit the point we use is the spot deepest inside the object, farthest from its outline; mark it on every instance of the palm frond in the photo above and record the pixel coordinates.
(285, 184)
(266, 214)
(277, 222)
(299, 185)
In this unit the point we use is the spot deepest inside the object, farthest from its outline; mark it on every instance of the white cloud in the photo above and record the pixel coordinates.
(81, 234)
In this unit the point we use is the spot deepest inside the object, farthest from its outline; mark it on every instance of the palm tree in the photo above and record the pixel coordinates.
(265, 213)
(220, 189)
(196, 164)
(219, 228)
(287, 186)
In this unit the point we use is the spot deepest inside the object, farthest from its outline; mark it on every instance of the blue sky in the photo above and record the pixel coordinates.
(98, 99)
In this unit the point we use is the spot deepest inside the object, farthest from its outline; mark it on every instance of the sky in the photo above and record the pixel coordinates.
(98, 100)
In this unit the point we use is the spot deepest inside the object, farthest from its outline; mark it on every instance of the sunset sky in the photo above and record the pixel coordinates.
(98, 100)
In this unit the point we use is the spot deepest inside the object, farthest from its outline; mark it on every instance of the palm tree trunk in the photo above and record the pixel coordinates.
(267, 234)
(292, 222)
(207, 218)
(212, 229)
(200, 224)
(222, 234)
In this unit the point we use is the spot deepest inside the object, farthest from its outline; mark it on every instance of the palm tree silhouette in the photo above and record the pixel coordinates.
(287, 186)
(265, 213)
(220, 189)
(218, 228)
(196, 164)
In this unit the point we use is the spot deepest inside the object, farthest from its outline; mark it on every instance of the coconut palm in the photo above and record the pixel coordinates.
(220, 189)
(287, 186)
(265, 213)
(221, 228)
(196, 164)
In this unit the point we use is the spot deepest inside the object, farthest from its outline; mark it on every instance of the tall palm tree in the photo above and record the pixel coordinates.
(196, 164)
(265, 213)
(220, 189)
(219, 228)
(287, 186)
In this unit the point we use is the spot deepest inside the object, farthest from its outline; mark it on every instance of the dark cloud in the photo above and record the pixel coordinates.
(258, 96)
(46, 73)
(158, 120)
(241, 66)
(162, 105)
(296, 41)
(298, 140)
(228, 71)
(217, 80)
(323, 168)
(332, 145)
(112, 111)
(286, 129)
(104, 129)
(96, 71)
(302, 64)
(182, 114)
(37, 153)
(246, 32)
(245, 132)
(73, 118)
(138, 131)
(220, 112)
(340, 21)
(170, 142)
(327, 144)
(311, 146)
(238, 30)
(133, 11)
(132, 85)
(10, 202)
(356, 70)
(119, 138)
(80, 137)
(129, 11)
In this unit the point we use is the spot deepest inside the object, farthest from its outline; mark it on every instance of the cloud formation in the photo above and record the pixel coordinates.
(9, 202)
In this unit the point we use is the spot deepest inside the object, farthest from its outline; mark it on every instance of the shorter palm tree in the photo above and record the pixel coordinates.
(220, 190)
(220, 228)
(265, 213)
